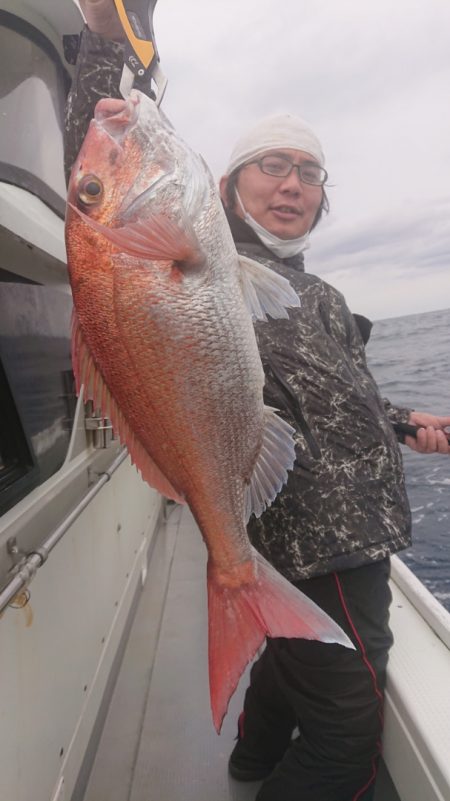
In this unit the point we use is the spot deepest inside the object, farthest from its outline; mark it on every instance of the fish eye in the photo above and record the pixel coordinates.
(90, 190)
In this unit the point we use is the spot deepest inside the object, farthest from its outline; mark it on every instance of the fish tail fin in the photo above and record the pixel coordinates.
(240, 618)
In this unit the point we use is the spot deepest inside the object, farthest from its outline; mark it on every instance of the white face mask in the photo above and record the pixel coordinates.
(283, 248)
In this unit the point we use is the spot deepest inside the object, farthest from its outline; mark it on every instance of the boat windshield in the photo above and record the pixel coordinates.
(32, 96)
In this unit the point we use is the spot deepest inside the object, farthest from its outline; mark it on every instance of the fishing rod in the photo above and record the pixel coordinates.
(141, 59)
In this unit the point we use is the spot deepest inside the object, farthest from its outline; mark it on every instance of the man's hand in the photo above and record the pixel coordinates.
(431, 437)
(102, 17)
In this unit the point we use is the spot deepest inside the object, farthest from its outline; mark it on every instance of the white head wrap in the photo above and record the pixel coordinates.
(271, 133)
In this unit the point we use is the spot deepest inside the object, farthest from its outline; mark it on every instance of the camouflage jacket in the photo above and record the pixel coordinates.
(345, 502)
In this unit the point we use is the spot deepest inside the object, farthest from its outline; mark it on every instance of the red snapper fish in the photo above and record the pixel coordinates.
(163, 343)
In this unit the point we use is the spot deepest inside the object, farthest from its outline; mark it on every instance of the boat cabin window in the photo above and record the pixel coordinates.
(33, 87)
(36, 384)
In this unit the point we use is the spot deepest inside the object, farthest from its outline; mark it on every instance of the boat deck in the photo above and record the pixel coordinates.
(158, 742)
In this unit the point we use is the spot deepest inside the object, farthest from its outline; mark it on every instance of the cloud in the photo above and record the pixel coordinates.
(390, 265)
(423, 231)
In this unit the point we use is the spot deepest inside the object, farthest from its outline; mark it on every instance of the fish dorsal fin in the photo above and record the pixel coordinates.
(89, 380)
(157, 238)
(265, 291)
(276, 457)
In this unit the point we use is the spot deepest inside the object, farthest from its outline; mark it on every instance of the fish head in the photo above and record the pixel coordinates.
(124, 154)
(108, 163)
(137, 186)
(130, 161)
(105, 168)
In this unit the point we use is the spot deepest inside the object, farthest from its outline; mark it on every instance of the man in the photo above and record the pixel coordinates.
(344, 510)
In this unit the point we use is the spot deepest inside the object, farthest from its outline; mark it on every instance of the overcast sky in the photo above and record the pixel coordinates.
(372, 77)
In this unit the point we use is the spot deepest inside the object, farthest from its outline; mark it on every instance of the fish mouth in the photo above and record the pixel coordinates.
(117, 117)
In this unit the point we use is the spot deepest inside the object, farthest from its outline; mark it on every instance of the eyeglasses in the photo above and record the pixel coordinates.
(280, 167)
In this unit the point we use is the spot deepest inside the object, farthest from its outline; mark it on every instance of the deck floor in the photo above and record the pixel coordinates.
(158, 741)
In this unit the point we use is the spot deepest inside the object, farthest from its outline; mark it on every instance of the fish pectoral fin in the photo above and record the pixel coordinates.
(240, 618)
(265, 291)
(275, 458)
(91, 383)
(157, 238)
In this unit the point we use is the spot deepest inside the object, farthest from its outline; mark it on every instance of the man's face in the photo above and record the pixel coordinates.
(284, 206)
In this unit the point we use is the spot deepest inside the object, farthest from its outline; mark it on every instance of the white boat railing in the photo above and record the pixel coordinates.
(416, 742)
(33, 561)
(422, 599)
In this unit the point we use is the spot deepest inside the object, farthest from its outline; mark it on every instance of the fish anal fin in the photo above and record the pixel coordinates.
(241, 618)
(89, 380)
(275, 458)
(265, 291)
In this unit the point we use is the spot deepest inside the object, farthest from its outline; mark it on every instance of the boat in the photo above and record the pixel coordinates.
(103, 665)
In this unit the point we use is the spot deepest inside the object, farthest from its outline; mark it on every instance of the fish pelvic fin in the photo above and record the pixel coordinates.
(276, 457)
(265, 291)
(90, 382)
(240, 618)
(157, 238)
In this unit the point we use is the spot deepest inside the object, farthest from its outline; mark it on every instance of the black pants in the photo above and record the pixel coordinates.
(333, 695)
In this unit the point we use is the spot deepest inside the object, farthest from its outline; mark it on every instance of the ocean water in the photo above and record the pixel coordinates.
(410, 360)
